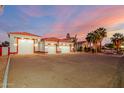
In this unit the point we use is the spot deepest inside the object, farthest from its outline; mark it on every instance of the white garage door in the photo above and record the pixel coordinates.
(25, 46)
(65, 49)
(51, 49)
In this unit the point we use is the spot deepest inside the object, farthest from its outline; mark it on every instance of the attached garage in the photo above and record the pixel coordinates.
(23, 43)
(50, 49)
(65, 49)
(55, 45)
(25, 46)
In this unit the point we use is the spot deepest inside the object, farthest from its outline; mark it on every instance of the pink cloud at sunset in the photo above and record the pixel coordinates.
(104, 17)
(57, 21)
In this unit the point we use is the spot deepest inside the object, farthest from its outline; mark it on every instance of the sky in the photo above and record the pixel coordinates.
(57, 21)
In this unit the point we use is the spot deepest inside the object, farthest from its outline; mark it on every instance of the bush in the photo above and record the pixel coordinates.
(87, 49)
(80, 49)
(94, 50)
(98, 50)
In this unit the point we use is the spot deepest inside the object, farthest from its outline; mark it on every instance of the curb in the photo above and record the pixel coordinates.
(5, 78)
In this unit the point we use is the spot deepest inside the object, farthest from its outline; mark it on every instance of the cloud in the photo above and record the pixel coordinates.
(33, 11)
(89, 20)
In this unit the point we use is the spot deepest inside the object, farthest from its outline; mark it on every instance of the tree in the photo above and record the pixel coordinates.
(102, 34)
(117, 40)
(96, 37)
(68, 36)
(89, 39)
(92, 39)
(5, 43)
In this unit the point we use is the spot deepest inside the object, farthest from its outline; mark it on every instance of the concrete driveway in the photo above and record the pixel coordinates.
(63, 71)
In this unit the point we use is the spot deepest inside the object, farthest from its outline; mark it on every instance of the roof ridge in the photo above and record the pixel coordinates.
(24, 33)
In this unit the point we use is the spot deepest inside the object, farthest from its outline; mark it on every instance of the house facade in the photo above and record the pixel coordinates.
(27, 43)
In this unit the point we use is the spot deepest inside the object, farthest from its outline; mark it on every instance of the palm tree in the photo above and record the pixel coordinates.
(89, 39)
(92, 39)
(101, 33)
(96, 37)
(117, 39)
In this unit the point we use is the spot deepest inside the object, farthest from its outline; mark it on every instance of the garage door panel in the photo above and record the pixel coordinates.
(65, 49)
(51, 49)
(25, 47)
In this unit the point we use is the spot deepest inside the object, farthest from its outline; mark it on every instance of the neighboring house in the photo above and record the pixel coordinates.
(27, 43)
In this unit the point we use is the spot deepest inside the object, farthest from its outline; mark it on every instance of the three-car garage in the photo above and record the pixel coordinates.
(27, 43)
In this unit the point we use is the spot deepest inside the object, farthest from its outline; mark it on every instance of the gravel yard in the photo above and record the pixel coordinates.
(63, 71)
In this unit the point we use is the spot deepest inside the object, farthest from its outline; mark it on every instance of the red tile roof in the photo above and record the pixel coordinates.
(51, 39)
(55, 39)
(64, 40)
(23, 33)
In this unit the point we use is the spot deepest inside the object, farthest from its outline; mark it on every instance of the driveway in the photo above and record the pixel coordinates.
(63, 71)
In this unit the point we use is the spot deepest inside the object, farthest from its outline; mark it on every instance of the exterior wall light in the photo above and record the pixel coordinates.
(122, 46)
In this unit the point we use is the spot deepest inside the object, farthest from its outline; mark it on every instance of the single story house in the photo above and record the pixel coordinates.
(27, 43)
